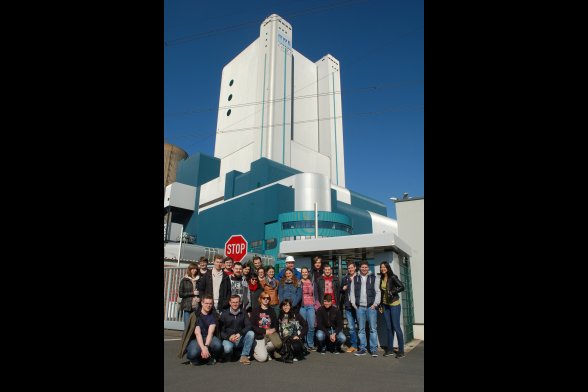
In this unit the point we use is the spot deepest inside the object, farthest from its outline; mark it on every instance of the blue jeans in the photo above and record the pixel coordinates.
(309, 315)
(350, 315)
(186, 318)
(392, 317)
(193, 350)
(321, 337)
(244, 343)
(371, 315)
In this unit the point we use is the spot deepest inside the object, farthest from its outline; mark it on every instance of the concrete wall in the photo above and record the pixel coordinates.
(410, 215)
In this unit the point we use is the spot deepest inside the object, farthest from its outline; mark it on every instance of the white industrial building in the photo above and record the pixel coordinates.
(277, 104)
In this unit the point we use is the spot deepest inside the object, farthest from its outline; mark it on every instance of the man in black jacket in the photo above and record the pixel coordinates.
(329, 324)
(236, 331)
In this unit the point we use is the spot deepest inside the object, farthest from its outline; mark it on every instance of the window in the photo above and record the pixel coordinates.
(231, 82)
(229, 112)
(270, 244)
(309, 224)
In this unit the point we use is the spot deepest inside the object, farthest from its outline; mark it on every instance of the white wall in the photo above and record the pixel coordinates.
(180, 195)
(330, 116)
(383, 224)
(410, 215)
(275, 112)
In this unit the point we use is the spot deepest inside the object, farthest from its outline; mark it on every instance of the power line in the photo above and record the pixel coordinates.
(395, 109)
(356, 90)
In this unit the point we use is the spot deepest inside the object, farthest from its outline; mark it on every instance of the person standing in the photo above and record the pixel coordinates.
(203, 265)
(289, 287)
(188, 292)
(289, 266)
(240, 286)
(256, 263)
(260, 275)
(328, 284)
(216, 284)
(247, 270)
(350, 313)
(365, 298)
(307, 306)
(228, 262)
(255, 291)
(270, 287)
(390, 286)
(317, 269)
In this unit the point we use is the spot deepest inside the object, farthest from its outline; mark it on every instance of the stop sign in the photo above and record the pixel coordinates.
(236, 247)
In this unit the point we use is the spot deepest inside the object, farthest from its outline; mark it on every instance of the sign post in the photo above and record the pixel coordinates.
(236, 247)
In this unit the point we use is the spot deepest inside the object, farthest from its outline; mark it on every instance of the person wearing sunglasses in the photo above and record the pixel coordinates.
(264, 323)
(255, 290)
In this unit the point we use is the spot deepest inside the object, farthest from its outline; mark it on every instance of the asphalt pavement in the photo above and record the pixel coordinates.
(324, 373)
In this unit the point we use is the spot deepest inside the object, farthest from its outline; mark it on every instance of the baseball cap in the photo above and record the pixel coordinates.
(290, 258)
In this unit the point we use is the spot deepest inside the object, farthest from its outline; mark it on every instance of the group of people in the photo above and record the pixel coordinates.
(246, 311)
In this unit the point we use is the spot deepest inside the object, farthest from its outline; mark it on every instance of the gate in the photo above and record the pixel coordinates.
(173, 317)
(407, 302)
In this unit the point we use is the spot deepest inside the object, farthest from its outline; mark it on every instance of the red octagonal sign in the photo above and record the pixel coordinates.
(236, 247)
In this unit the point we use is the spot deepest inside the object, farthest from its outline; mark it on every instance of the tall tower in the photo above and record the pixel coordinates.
(171, 156)
(276, 103)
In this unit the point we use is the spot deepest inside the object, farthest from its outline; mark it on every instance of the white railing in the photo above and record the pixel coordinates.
(173, 317)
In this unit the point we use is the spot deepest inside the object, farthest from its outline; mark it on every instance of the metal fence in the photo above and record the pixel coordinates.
(173, 317)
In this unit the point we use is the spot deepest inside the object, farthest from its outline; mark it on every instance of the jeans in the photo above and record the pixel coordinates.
(244, 343)
(350, 315)
(392, 317)
(321, 337)
(186, 318)
(371, 315)
(309, 315)
(193, 350)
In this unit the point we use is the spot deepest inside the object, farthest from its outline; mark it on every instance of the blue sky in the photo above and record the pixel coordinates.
(379, 44)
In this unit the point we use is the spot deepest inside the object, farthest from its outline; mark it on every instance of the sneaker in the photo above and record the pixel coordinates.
(244, 360)
(269, 358)
(360, 352)
(313, 348)
(323, 351)
(295, 359)
(399, 355)
(374, 354)
(351, 349)
(388, 353)
(211, 361)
